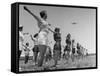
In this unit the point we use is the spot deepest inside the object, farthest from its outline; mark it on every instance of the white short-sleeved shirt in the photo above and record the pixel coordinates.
(35, 41)
(21, 39)
(73, 45)
(43, 39)
(43, 34)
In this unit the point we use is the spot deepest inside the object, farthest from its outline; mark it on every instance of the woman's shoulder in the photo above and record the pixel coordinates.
(21, 34)
(44, 21)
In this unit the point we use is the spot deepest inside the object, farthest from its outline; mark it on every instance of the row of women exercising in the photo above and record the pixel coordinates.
(40, 40)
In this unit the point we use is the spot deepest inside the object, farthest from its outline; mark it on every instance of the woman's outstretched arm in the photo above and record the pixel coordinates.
(36, 17)
(51, 30)
(32, 37)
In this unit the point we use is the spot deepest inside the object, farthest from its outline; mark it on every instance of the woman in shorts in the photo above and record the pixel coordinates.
(44, 28)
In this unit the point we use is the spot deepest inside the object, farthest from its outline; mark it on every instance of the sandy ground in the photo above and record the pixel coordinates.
(87, 61)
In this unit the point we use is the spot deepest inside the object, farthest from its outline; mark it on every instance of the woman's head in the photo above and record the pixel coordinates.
(57, 29)
(69, 36)
(20, 28)
(78, 44)
(27, 44)
(73, 41)
(36, 35)
(43, 14)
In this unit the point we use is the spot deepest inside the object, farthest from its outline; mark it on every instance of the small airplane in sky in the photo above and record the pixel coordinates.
(74, 23)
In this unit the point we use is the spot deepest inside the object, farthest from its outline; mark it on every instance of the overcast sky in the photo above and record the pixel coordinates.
(83, 31)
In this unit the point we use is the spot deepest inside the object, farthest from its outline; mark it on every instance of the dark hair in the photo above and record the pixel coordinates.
(20, 28)
(69, 35)
(73, 40)
(27, 44)
(57, 29)
(36, 35)
(43, 13)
